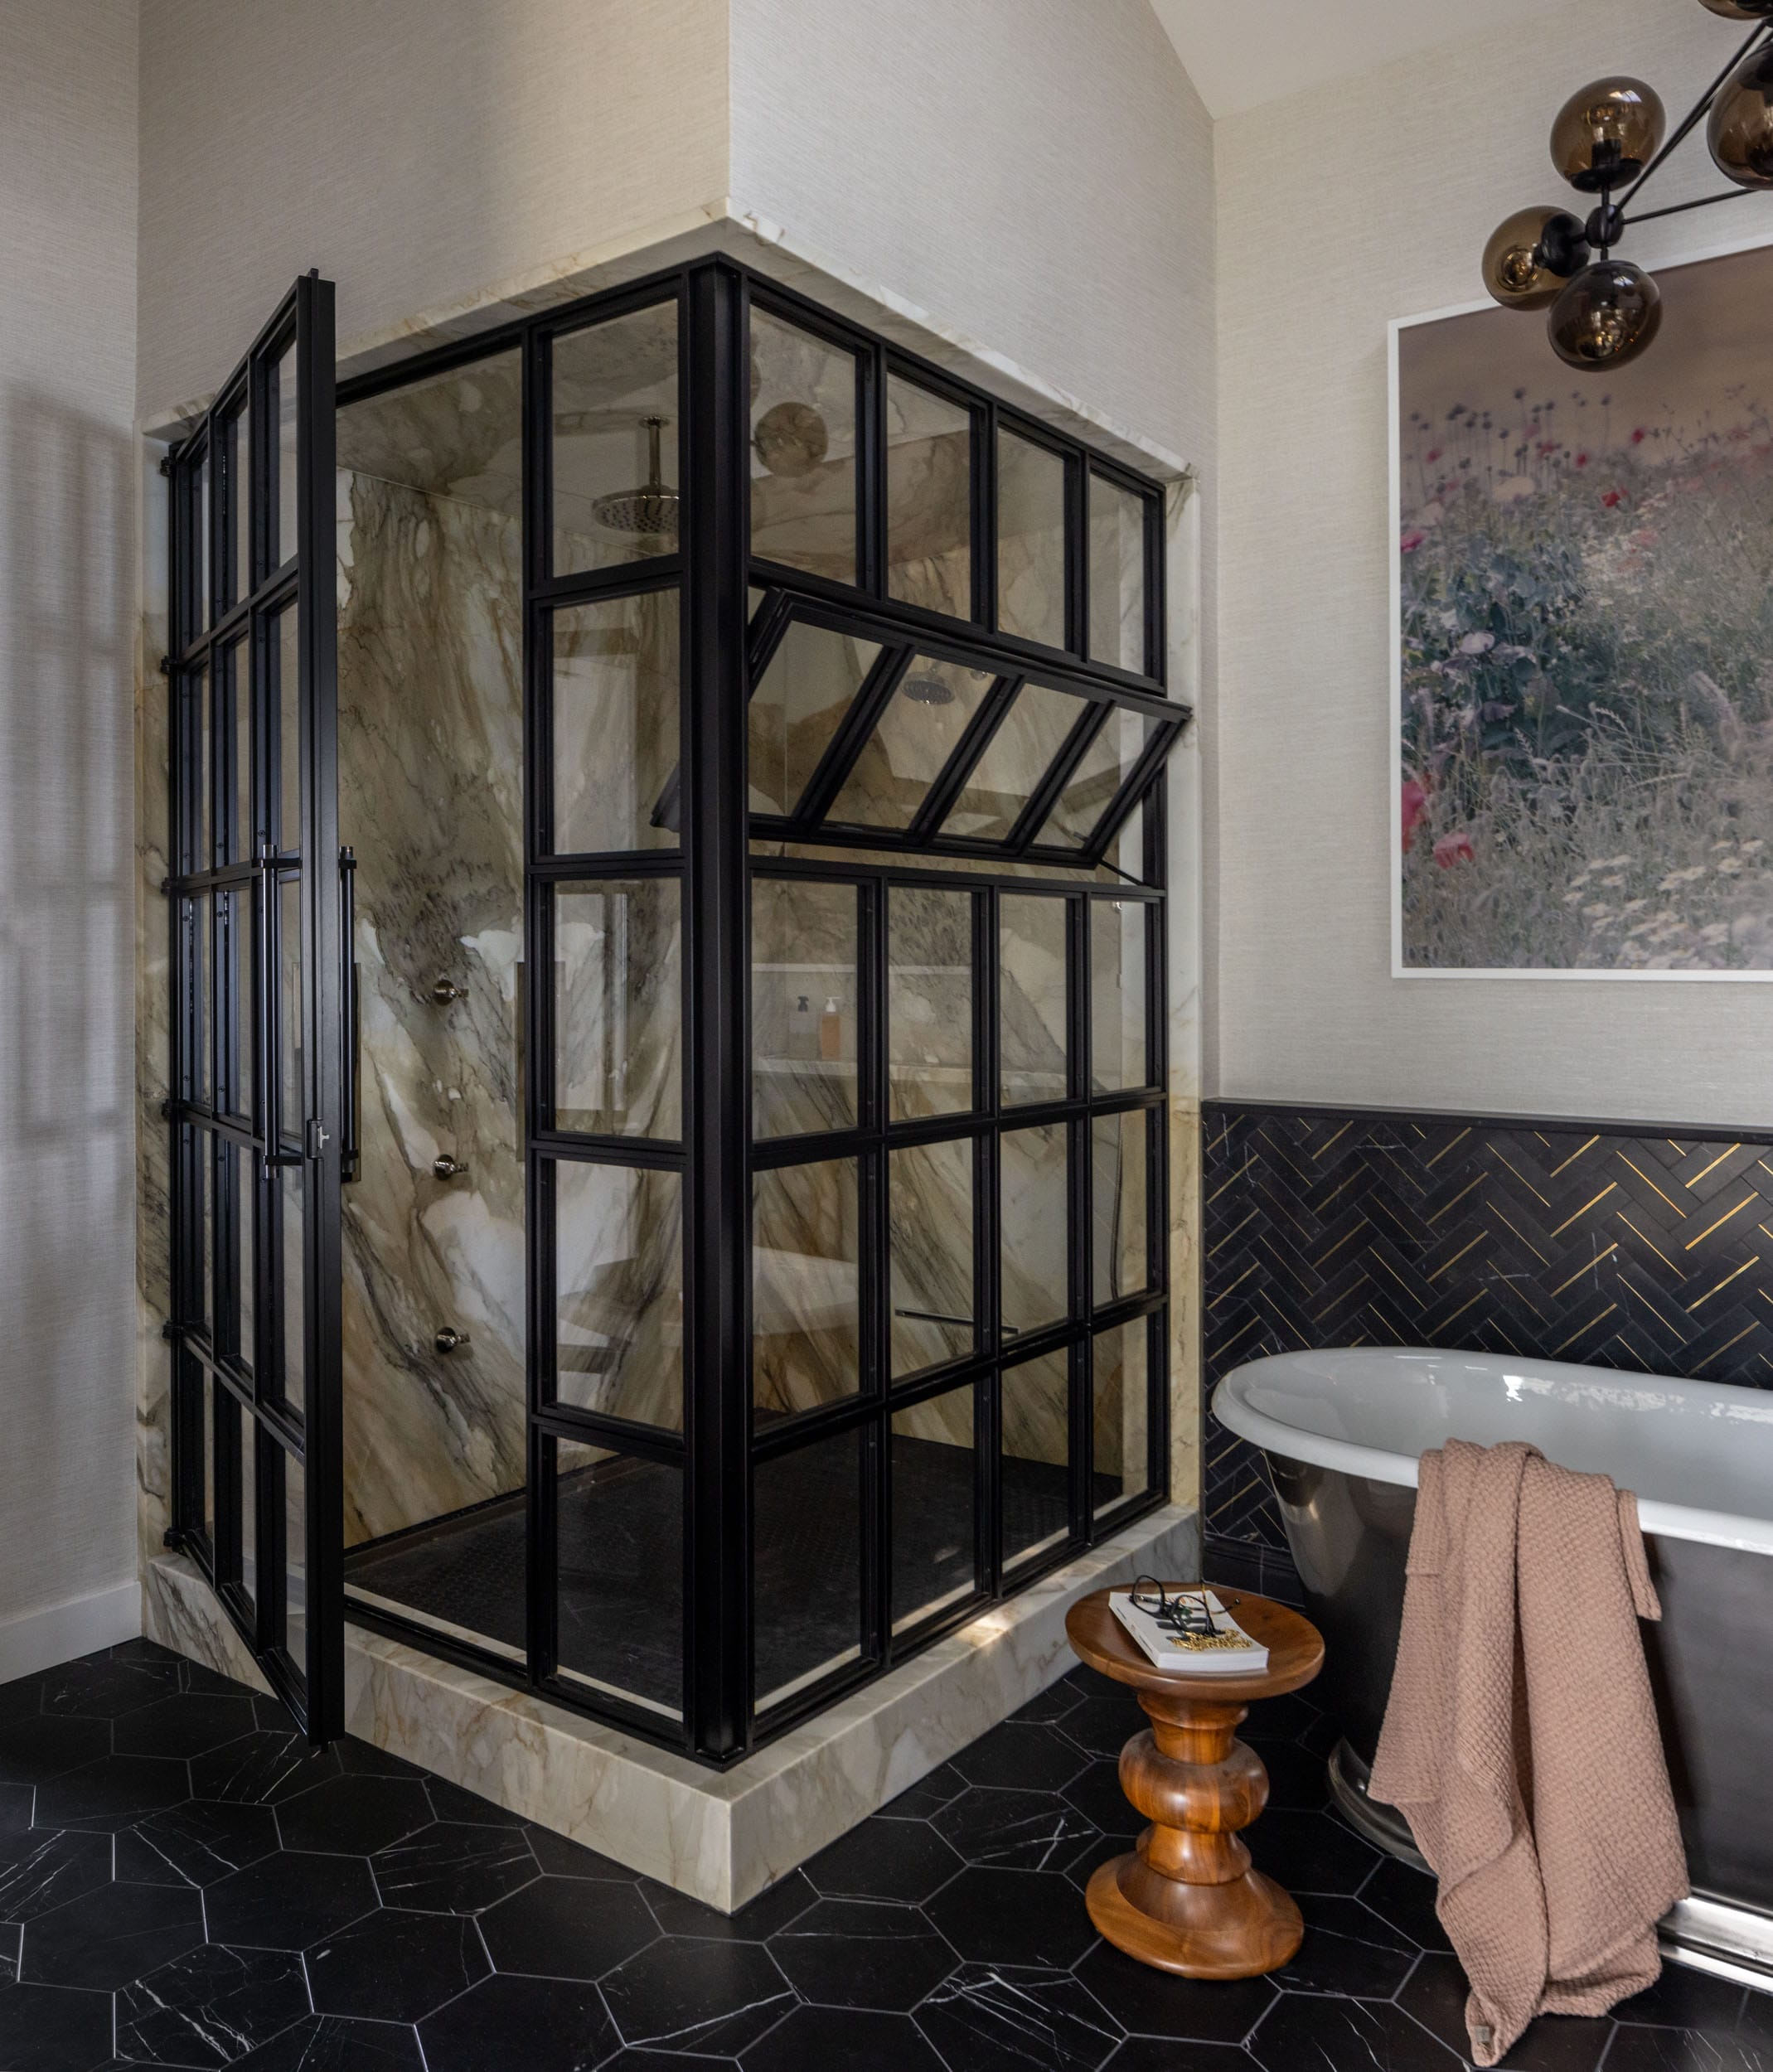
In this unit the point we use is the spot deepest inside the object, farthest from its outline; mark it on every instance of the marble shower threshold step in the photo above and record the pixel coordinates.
(720, 1836)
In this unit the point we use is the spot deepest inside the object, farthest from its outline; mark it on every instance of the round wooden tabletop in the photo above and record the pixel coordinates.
(1295, 1649)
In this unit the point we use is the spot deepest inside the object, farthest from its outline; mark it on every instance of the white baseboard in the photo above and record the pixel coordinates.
(40, 1639)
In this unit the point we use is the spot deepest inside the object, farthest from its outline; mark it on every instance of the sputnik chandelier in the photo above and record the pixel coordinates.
(1608, 141)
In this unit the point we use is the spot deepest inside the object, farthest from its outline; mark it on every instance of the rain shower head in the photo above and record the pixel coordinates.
(928, 691)
(649, 512)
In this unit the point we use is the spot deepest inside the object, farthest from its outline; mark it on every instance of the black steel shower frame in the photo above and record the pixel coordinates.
(723, 651)
(215, 622)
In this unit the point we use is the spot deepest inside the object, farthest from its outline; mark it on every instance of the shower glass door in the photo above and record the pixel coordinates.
(256, 1108)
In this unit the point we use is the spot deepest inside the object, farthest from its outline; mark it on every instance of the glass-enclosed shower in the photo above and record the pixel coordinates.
(750, 746)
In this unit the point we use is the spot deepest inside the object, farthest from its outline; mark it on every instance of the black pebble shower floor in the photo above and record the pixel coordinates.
(183, 1885)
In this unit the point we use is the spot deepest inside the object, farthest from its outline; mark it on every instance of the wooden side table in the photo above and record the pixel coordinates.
(1186, 1898)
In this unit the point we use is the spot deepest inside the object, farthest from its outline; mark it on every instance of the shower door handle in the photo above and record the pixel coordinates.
(349, 1158)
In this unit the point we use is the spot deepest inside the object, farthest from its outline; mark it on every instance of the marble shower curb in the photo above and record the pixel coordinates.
(722, 1836)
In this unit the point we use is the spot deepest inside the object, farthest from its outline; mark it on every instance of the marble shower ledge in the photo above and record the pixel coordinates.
(728, 226)
(721, 1836)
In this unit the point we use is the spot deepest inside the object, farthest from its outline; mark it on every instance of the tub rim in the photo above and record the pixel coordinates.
(1233, 1409)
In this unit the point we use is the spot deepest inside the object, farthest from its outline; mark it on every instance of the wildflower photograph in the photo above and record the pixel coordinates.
(1585, 634)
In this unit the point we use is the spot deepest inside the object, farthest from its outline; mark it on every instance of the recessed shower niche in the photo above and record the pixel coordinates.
(717, 1176)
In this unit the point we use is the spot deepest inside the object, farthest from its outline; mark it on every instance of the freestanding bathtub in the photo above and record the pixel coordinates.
(1343, 1431)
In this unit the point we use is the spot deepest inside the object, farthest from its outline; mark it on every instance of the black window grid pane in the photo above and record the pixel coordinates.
(903, 629)
(222, 593)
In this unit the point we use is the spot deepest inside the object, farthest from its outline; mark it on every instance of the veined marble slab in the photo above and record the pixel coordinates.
(721, 1835)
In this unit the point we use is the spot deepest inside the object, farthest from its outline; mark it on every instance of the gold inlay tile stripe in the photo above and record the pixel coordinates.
(1587, 1266)
(1584, 1208)
(1724, 1283)
(1575, 1155)
(1714, 1165)
(1721, 1222)
(1652, 1185)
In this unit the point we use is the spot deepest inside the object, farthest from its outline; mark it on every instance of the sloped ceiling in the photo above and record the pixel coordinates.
(1241, 53)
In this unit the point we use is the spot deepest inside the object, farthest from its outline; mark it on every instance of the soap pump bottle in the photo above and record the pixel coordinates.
(831, 1030)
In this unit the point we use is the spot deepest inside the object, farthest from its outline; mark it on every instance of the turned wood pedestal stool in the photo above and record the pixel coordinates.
(1186, 1900)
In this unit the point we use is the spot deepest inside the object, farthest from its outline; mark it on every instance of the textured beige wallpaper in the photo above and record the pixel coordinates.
(1038, 173)
(422, 153)
(67, 530)
(1408, 170)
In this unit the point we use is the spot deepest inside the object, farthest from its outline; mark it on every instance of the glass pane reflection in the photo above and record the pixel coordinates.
(618, 1008)
(1117, 984)
(618, 1291)
(1034, 1467)
(1121, 1414)
(932, 1506)
(803, 1003)
(807, 1541)
(912, 743)
(803, 477)
(1034, 997)
(615, 725)
(797, 709)
(1030, 541)
(806, 1300)
(1093, 786)
(1116, 575)
(621, 1575)
(1034, 1197)
(930, 1215)
(929, 499)
(929, 1002)
(615, 441)
(1120, 1180)
(1016, 757)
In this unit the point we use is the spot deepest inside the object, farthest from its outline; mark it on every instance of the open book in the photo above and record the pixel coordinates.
(1196, 1633)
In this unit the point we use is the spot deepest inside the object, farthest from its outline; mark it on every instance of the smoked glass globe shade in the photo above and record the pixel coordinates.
(1606, 316)
(1607, 133)
(1741, 130)
(1531, 255)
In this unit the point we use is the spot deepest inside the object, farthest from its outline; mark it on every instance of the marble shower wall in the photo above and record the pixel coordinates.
(430, 763)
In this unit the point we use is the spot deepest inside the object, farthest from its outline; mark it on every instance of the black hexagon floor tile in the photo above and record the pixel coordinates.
(288, 1900)
(1013, 1917)
(1151, 2003)
(1014, 1830)
(772, 1909)
(353, 1816)
(170, 1897)
(209, 2006)
(709, 1999)
(883, 1859)
(196, 1843)
(330, 2043)
(863, 1953)
(546, 2024)
(1013, 2018)
(567, 1927)
(391, 1966)
(50, 2029)
(872, 2042)
(451, 1867)
(105, 1939)
(1022, 1754)
(48, 1869)
(112, 1792)
(182, 1725)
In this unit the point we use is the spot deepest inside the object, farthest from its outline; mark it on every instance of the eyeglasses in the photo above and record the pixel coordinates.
(1189, 1612)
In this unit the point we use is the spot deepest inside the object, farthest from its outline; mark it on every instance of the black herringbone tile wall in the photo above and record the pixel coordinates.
(1654, 1252)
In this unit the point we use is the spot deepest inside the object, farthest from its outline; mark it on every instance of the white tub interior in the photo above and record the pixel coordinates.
(1699, 1453)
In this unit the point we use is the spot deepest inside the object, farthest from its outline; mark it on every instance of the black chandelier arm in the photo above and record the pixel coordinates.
(1680, 208)
(1762, 31)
